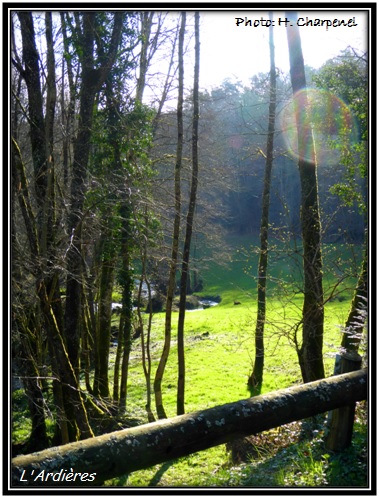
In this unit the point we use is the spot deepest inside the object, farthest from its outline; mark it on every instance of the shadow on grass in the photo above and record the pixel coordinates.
(158, 475)
(295, 456)
(254, 388)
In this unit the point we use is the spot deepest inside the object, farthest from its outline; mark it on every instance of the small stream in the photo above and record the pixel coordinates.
(205, 304)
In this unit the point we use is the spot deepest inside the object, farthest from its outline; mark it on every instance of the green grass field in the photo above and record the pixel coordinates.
(219, 355)
(220, 340)
(219, 352)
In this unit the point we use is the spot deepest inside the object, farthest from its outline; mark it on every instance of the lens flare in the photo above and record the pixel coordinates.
(328, 117)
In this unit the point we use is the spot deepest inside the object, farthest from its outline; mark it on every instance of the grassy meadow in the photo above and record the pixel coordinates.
(219, 354)
(220, 339)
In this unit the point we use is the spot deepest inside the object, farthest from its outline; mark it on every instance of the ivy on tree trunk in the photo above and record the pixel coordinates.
(310, 352)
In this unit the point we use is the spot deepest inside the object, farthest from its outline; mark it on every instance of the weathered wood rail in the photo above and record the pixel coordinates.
(92, 461)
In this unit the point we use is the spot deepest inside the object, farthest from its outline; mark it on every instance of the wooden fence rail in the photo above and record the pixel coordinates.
(92, 461)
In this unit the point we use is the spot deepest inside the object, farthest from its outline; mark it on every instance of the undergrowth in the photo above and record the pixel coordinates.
(290, 456)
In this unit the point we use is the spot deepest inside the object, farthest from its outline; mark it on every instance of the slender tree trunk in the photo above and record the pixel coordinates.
(256, 378)
(126, 278)
(145, 338)
(31, 74)
(147, 363)
(126, 254)
(27, 342)
(310, 352)
(67, 114)
(104, 318)
(189, 225)
(41, 236)
(176, 230)
(146, 25)
(88, 342)
(117, 363)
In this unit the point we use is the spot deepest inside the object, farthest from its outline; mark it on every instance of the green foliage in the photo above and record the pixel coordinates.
(346, 76)
(21, 423)
(130, 131)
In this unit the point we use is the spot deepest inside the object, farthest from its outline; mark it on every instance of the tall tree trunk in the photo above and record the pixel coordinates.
(28, 368)
(145, 338)
(310, 352)
(78, 186)
(126, 248)
(24, 343)
(184, 280)
(31, 74)
(104, 317)
(145, 344)
(256, 378)
(175, 236)
(126, 280)
(66, 388)
(146, 25)
(41, 236)
(67, 113)
(92, 79)
(117, 363)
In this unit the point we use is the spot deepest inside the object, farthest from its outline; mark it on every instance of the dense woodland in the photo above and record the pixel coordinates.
(126, 179)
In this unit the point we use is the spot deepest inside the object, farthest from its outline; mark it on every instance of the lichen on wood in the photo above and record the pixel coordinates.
(122, 452)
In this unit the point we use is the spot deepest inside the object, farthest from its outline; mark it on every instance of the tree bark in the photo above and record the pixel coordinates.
(31, 74)
(176, 231)
(68, 111)
(92, 79)
(104, 318)
(342, 420)
(310, 352)
(357, 316)
(122, 452)
(356, 320)
(26, 346)
(184, 279)
(145, 338)
(127, 282)
(40, 228)
(146, 25)
(256, 378)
